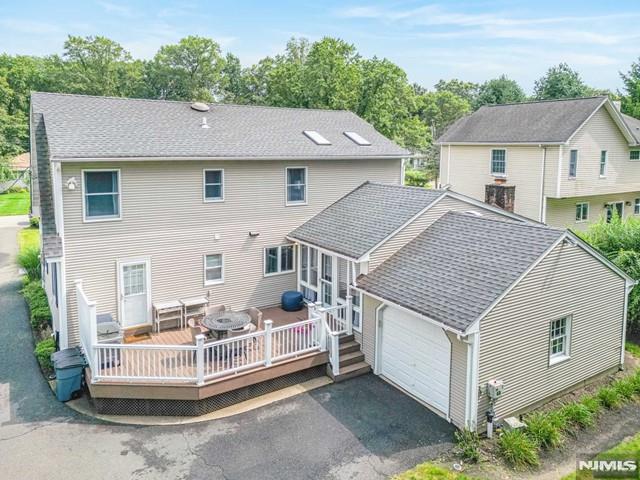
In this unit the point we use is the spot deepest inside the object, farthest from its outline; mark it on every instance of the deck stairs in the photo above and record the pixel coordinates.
(352, 362)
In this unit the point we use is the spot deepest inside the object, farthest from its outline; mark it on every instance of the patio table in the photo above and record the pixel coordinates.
(225, 321)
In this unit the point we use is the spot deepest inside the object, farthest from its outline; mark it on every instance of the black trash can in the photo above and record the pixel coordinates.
(68, 375)
(66, 353)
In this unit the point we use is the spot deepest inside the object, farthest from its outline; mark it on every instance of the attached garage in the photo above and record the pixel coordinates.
(416, 356)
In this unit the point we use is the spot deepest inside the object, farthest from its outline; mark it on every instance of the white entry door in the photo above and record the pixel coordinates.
(416, 356)
(135, 307)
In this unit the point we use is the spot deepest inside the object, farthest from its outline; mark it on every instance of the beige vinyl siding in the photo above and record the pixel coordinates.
(470, 170)
(599, 133)
(562, 212)
(369, 328)
(458, 380)
(421, 223)
(165, 218)
(514, 337)
(551, 171)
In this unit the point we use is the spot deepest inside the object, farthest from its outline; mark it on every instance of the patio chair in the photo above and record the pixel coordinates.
(256, 317)
(215, 309)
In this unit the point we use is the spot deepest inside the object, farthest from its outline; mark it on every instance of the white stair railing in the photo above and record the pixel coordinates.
(88, 326)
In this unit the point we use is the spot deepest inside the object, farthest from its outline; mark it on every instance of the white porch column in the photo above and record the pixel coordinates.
(200, 359)
(268, 342)
(349, 313)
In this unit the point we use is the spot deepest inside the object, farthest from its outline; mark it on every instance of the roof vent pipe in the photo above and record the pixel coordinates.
(204, 124)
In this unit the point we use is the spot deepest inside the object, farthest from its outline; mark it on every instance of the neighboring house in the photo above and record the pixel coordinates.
(566, 163)
(146, 204)
(455, 293)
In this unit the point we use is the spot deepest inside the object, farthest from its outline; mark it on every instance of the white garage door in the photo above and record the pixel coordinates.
(416, 356)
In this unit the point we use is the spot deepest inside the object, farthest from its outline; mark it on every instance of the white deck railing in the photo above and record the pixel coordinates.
(88, 325)
(336, 321)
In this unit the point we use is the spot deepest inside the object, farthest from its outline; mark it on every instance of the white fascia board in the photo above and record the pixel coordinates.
(320, 249)
(224, 158)
(486, 144)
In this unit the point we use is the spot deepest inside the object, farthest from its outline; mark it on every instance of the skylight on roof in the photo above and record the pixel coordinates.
(316, 138)
(357, 139)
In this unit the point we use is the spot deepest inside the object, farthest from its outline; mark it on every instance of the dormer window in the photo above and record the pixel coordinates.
(316, 138)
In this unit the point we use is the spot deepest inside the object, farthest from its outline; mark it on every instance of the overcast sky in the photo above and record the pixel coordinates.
(471, 40)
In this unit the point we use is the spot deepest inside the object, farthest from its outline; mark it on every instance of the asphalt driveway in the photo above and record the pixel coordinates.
(359, 429)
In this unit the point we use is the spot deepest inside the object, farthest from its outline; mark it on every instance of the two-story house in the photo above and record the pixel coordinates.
(566, 163)
(170, 232)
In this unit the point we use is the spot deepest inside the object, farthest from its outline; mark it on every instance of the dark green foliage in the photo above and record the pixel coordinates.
(43, 352)
(499, 90)
(415, 178)
(561, 82)
(468, 443)
(36, 299)
(518, 449)
(34, 222)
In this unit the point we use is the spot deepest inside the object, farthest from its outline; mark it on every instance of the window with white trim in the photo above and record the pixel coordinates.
(603, 163)
(636, 206)
(582, 212)
(634, 155)
(213, 269)
(573, 163)
(499, 162)
(278, 260)
(559, 336)
(213, 185)
(296, 185)
(101, 194)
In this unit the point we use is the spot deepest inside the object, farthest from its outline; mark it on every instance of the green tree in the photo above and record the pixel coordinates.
(286, 82)
(631, 96)
(561, 82)
(97, 66)
(189, 70)
(466, 90)
(498, 91)
(440, 109)
(232, 84)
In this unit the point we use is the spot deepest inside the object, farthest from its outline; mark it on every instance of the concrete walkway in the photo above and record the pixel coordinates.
(359, 429)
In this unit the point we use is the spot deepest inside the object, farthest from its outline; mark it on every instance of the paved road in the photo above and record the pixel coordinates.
(359, 429)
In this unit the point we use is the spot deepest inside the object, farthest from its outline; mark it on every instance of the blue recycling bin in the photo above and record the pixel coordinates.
(68, 376)
(292, 301)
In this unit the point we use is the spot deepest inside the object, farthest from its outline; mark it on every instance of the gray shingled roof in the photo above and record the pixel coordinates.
(363, 218)
(634, 126)
(51, 241)
(458, 266)
(81, 126)
(531, 122)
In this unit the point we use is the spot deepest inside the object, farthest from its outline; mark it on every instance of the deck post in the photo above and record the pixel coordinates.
(349, 314)
(200, 359)
(322, 329)
(268, 342)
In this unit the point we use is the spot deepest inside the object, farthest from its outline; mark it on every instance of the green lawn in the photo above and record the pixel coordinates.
(28, 238)
(629, 449)
(429, 471)
(14, 203)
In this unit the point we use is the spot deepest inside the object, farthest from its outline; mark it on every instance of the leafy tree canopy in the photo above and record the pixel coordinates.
(631, 96)
(499, 90)
(561, 82)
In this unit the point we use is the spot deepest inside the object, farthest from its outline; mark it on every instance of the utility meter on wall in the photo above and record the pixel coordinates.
(495, 388)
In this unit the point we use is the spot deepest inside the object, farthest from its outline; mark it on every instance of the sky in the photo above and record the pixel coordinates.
(470, 40)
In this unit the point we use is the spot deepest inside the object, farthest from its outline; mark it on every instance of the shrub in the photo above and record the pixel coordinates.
(34, 222)
(592, 404)
(36, 298)
(609, 397)
(578, 414)
(545, 429)
(43, 352)
(29, 259)
(518, 450)
(468, 443)
(625, 388)
(416, 178)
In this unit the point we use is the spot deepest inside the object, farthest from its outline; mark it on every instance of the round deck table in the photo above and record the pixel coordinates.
(222, 322)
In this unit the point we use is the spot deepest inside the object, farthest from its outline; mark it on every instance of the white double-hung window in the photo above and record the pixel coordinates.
(278, 260)
(559, 338)
(101, 195)
(213, 269)
(296, 178)
(213, 185)
(499, 162)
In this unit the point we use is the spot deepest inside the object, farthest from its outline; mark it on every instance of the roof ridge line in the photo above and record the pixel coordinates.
(553, 100)
(540, 226)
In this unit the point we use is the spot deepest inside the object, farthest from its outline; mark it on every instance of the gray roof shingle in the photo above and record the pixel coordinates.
(363, 218)
(81, 126)
(458, 266)
(552, 121)
(634, 126)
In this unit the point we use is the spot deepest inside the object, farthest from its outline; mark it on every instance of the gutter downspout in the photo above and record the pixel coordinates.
(628, 287)
(471, 394)
(543, 206)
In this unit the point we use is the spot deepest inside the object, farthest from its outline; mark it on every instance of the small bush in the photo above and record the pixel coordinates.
(592, 404)
(468, 443)
(43, 352)
(36, 299)
(625, 388)
(29, 259)
(578, 415)
(545, 429)
(609, 397)
(34, 222)
(518, 450)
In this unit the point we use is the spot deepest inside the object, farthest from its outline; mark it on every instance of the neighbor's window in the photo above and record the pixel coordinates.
(559, 339)
(296, 185)
(636, 206)
(213, 269)
(603, 163)
(573, 163)
(634, 155)
(102, 194)
(278, 259)
(213, 185)
(498, 162)
(582, 212)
